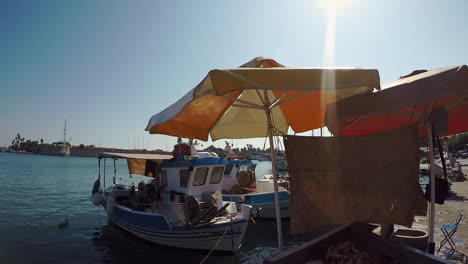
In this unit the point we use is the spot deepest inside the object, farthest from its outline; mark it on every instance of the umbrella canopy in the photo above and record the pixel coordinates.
(436, 100)
(231, 103)
(404, 102)
(260, 99)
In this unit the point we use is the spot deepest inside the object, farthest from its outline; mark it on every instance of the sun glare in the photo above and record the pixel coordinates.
(332, 8)
(328, 80)
(329, 52)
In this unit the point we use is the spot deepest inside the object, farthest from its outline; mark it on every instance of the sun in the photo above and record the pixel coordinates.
(335, 5)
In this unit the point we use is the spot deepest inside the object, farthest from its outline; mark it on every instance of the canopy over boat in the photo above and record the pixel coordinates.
(139, 163)
(143, 156)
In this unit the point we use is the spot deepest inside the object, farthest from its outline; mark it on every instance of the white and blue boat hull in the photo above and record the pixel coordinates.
(223, 235)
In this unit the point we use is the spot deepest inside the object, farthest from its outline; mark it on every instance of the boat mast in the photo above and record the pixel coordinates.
(65, 133)
(65, 147)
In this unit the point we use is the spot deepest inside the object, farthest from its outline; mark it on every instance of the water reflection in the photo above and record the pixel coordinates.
(114, 245)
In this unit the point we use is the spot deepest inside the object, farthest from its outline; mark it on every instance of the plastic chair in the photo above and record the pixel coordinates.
(449, 230)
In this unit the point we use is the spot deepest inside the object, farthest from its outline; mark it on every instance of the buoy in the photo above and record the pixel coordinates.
(243, 178)
(96, 186)
(63, 223)
(97, 198)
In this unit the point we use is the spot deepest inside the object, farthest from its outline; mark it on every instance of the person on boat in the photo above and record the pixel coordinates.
(132, 197)
(141, 196)
(158, 185)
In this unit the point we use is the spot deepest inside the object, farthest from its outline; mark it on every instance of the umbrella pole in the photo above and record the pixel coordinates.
(275, 181)
(431, 245)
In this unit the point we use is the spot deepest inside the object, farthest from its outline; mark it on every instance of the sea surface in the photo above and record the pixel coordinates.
(38, 192)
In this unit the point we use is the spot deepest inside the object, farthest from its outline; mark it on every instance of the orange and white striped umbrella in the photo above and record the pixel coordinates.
(234, 103)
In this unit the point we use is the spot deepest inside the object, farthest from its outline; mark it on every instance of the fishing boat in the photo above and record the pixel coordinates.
(179, 206)
(241, 185)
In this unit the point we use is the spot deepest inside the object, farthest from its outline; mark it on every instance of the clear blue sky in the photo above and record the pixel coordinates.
(108, 66)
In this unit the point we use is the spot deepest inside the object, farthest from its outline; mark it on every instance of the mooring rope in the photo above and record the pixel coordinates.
(48, 214)
(234, 250)
(217, 243)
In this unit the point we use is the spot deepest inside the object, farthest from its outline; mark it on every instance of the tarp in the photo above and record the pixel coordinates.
(138, 163)
(436, 100)
(341, 180)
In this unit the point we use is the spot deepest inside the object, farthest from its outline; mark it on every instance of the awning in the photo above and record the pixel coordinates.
(139, 163)
(143, 156)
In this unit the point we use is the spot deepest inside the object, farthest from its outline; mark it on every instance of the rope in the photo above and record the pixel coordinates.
(115, 172)
(217, 243)
(234, 250)
(51, 213)
(99, 166)
(232, 238)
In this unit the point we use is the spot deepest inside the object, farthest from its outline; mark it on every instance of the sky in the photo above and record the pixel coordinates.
(108, 66)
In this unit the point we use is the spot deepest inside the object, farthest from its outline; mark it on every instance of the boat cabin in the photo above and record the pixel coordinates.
(194, 177)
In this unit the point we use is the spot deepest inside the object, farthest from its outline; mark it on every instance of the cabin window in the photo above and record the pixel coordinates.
(164, 178)
(216, 175)
(200, 176)
(184, 177)
(227, 171)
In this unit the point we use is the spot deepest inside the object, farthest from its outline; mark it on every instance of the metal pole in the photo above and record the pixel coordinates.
(431, 245)
(104, 174)
(275, 180)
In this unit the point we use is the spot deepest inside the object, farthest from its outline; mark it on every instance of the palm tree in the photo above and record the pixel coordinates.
(21, 143)
(17, 141)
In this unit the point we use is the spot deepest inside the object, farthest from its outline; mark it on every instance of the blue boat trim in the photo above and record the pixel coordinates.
(182, 162)
(189, 235)
(157, 229)
(258, 198)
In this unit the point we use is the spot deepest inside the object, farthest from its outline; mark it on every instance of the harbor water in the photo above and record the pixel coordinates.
(39, 192)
